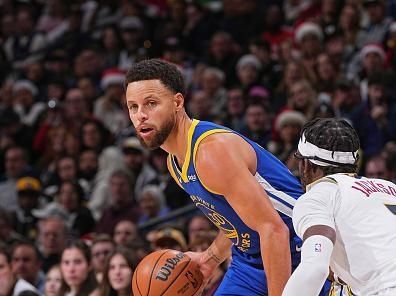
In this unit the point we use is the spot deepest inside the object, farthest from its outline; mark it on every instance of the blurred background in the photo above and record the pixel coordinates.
(75, 183)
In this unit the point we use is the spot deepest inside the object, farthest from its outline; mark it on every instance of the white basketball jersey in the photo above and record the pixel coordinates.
(362, 211)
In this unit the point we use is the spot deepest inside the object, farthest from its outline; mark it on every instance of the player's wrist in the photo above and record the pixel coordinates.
(212, 257)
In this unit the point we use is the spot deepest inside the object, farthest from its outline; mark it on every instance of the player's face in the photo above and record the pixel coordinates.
(304, 171)
(152, 110)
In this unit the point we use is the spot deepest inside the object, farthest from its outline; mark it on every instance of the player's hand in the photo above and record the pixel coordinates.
(206, 265)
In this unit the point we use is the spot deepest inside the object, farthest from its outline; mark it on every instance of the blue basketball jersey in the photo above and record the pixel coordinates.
(280, 185)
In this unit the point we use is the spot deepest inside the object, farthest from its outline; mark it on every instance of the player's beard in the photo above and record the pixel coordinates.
(160, 135)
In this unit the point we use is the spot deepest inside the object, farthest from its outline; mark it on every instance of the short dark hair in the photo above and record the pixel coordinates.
(156, 69)
(28, 244)
(5, 251)
(335, 135)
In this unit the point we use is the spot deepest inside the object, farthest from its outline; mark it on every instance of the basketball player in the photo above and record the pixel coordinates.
(233, 180)
(347, 222)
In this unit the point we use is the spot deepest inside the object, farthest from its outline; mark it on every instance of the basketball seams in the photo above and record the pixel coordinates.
(152, 271)
(177, 276)
(137, 285)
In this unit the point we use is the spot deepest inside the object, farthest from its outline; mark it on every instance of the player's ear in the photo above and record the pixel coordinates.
(178, 101)
(306, 165)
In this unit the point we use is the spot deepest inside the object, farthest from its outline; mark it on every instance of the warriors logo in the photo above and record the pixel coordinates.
(221, 222)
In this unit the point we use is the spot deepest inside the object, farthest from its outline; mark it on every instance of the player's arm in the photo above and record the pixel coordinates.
(218, 251)
(226, 164)
(314, 222)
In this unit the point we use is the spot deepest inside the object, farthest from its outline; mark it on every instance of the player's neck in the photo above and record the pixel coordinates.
(176, 143)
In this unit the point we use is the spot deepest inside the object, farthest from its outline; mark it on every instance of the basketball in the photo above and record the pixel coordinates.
(166, 273)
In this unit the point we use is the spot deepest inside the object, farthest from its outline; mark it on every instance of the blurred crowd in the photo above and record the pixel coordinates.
(77, 189)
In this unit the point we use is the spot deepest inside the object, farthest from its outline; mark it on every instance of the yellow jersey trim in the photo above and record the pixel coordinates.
(188, 152)
(323, 179)
(172, 170)
(200, 138)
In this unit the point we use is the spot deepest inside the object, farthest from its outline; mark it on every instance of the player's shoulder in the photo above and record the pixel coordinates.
(223, 145)
(321, 190)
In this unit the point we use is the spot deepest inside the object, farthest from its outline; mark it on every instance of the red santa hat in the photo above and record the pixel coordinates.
(112, 76)
(372, 48)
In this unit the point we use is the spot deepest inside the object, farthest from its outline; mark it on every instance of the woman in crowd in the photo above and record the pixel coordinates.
(53, 281)
(78, 276)
(118, 273)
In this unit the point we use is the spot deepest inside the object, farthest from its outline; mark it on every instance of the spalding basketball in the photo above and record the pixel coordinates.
(166, 273)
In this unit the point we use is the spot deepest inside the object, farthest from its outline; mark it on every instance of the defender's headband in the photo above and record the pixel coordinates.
(323, 157)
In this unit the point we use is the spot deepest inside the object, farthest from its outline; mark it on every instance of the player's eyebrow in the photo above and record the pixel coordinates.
(144, 99)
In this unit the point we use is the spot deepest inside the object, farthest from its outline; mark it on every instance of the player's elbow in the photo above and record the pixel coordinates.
(277, 230)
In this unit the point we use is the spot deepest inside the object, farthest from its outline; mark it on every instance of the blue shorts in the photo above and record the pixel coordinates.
(243, 279)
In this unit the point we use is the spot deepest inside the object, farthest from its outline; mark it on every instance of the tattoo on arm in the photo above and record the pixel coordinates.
(213, 256)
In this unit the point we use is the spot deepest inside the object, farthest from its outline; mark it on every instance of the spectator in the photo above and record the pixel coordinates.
(349, 24)
(109, 160)
(200, 106)
(170, 238)
(132, 33)
(118, 272)
(125, 232)
(288, 125)
(152, 203)
(327, 74)
(372, 58)
(88, 167)
(174, 195)
(76, 109)
(65, 170)
(94, 135)
(374, 119)
(235, 109)
(102, 246)
(309, 37)
(22, 47)
(25, 104)
(275, 31)
(89, 90)
(257, 124)
(28, 191)
(13, 131)
(53, 281)
(293, 72)
(123, 204)
(52, 239)
(303, 98)
(25, 264)
(111, 46)
(71, 198)
(378, 22)
(213, 81)
(248, 71)
(223, 54)
(376, 167)
(197, 225)
(8, 236)
(109, 108)
(77, 273)
(16, 164)
(271, 70)
(9, 283)
(135, 158)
